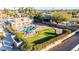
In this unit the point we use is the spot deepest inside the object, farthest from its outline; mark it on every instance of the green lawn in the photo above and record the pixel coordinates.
(39, 37)
(42, 34)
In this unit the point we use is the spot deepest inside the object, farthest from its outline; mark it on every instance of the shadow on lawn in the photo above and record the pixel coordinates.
(45, 38)
(49, 33)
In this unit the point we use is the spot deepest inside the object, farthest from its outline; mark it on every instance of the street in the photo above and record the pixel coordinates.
(67, 45)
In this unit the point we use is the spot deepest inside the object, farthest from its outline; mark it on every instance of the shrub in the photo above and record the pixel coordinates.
(26, 47)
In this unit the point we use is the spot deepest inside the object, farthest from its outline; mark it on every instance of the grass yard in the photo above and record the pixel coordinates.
(39, 37)
(42, 36)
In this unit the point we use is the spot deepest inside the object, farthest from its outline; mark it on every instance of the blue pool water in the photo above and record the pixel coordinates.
(27, 29)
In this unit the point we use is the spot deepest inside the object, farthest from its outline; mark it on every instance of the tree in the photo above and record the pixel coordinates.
(74, 12)
(29, 11)
(9, 12)
(21, 10)
(6, 11)
(60, 16)
(39, 17)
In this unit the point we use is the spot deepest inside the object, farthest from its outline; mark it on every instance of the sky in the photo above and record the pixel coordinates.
(50, 8)
(48, 4)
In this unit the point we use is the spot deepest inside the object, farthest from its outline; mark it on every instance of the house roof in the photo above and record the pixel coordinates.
(47, 16)
(1, 30)
(7, 43)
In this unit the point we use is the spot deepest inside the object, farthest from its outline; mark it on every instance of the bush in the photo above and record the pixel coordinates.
(60, 16)
(26, 47)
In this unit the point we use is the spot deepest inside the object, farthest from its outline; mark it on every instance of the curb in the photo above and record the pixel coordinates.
(75, 48)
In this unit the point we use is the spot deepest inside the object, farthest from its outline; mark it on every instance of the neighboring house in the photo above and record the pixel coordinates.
(68, 23)
(21, 23)
(7, 43)
(76, 16)
(4, 25)
(11, 21)
(47, 17)
(17, 42)
(71, 23)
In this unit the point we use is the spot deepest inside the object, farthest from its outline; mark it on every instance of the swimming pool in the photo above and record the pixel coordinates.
(27, 29)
